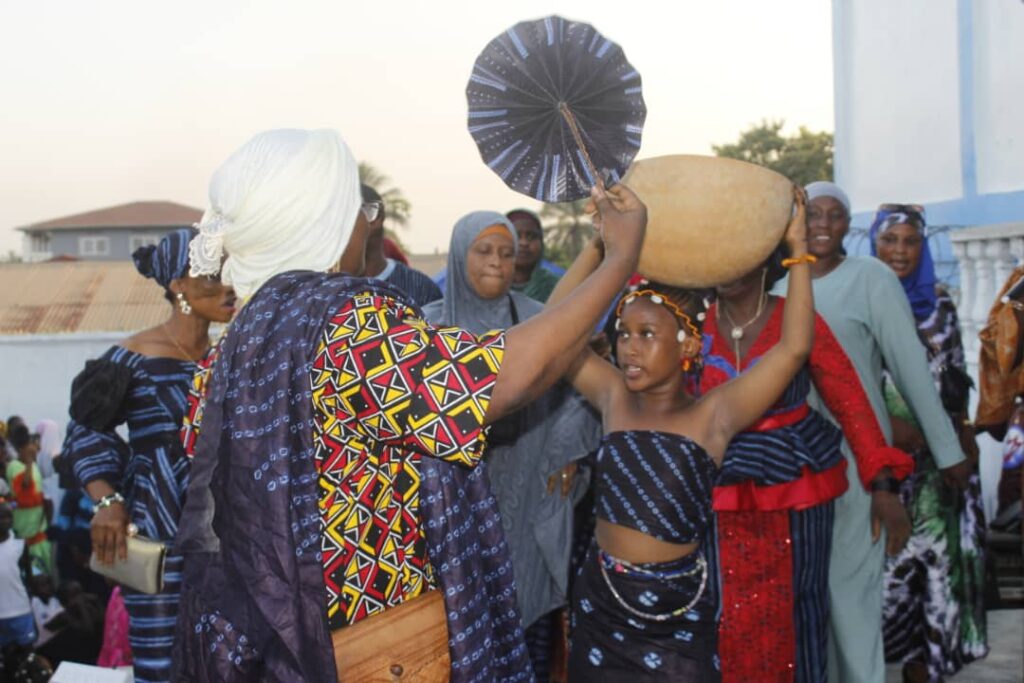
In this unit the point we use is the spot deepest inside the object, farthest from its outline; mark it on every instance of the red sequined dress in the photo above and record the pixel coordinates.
(773, 504)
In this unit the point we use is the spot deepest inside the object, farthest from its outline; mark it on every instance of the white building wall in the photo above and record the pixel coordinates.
(929, 107)
(998, 85)
(37, 371)
(897, 114)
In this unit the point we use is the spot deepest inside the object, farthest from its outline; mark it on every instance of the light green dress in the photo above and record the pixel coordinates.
(865, 306)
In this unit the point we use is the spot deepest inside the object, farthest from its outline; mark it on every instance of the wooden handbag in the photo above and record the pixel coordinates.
(404, 643)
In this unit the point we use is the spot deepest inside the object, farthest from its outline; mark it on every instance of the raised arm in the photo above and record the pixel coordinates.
(737, 404)
(541, 349)
(585, 264)
(590, 374)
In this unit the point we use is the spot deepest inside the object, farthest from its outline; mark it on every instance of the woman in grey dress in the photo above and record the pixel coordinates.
(531, 453)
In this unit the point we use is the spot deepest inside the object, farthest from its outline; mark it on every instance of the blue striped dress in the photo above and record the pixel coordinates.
(151, 472)
(653, 620)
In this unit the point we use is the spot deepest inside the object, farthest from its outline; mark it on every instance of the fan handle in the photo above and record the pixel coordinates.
(575, 130)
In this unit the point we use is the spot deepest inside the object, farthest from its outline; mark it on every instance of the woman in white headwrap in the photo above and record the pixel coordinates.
(335, 434)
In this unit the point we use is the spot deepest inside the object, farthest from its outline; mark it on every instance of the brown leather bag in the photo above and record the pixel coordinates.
(404, 643)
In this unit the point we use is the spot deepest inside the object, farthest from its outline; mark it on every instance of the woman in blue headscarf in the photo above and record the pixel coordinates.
(934, 607)
(144, 382)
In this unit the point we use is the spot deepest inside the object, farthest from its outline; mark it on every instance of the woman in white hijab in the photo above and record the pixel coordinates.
(335, 434)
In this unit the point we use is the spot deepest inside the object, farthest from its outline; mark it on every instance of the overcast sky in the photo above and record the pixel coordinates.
(106, 102)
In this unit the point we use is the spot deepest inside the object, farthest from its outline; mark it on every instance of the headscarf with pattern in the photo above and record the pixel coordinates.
(167, 260)
(920, 284)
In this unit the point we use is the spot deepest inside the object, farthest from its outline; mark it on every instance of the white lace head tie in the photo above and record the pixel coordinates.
(206, 251)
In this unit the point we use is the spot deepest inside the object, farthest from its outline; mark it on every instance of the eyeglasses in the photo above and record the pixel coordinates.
(371, 210)
(902, 208)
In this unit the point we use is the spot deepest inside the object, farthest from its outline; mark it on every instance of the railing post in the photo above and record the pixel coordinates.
(986, 256)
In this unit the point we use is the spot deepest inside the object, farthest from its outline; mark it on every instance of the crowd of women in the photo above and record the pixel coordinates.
(772, 480)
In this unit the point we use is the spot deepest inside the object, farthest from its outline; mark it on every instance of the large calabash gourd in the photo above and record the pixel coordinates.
(710, 220)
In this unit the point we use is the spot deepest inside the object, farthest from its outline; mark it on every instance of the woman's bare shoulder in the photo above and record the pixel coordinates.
(148, 342)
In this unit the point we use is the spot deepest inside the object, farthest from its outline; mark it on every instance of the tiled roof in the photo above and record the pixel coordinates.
(134, 215)
(78, 296)
(93, 296)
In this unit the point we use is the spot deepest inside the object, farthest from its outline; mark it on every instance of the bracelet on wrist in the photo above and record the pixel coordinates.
(803, 258)
(108, 500)
(886, 484)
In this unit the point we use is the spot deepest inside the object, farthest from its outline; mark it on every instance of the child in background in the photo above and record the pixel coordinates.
(32, 512)
(78, 629)
(45, 605)
(17, 626)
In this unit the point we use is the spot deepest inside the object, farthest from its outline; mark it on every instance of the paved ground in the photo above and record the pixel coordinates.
(1005, 661)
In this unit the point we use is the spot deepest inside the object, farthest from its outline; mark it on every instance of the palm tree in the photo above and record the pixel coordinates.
(566, 230)
(398, 208)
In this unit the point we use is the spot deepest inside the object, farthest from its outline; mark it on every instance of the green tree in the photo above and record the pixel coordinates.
(399, 209)
(566, 229)
(803, 158)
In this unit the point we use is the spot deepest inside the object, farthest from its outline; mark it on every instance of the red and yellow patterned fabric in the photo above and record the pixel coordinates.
(385, 384)
(196, 402)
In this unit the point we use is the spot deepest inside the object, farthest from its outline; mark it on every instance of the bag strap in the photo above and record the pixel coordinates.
(513, 310)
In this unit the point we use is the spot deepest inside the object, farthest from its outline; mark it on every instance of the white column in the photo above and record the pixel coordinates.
(1016, 251)
(986, 255)
(967, 256)
(991, 251)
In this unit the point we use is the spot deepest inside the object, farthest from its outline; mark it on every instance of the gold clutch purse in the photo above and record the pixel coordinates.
(142, 570)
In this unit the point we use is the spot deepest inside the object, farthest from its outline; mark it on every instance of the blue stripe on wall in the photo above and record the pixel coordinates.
(965, 50)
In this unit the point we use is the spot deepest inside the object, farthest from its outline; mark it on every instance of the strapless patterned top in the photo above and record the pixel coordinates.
(657, 483)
